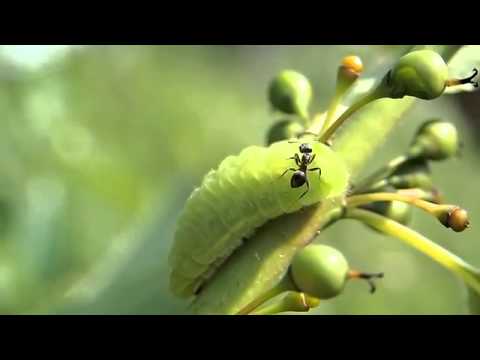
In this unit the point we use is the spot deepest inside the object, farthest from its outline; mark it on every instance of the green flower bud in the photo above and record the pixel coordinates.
(291, 93)
(283, 130)
(435, 140)
(414, 173)
(320, 271)
(396, 210)
(422, 74)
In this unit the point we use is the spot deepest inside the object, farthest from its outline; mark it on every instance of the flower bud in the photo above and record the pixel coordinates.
(457, 219)
(320, 271)
(352, 64)
(435, 140)
(422, 74)
(291, 93)
(414, 173)
(348, 72)
(396, 210)
(453, 217)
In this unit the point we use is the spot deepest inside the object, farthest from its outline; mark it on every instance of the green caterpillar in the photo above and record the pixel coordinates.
(244, 193)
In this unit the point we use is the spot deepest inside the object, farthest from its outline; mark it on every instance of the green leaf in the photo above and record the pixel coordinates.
(462, 65)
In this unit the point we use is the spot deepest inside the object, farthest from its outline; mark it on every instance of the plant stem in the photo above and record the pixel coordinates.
(332, 109)
(363, 199)
(292, 301)
(469, 274)
(271, 309)
(283, 286)
(369, 97)
(317, 124)
(305, 120)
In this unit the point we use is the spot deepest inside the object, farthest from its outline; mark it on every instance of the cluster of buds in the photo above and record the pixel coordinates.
(410, 175)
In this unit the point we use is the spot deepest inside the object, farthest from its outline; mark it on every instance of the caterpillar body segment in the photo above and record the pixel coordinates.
(233, 201)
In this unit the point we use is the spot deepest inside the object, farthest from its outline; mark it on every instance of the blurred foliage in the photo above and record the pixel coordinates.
(100, 147)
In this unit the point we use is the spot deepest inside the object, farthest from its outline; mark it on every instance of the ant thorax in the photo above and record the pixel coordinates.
(306, 158)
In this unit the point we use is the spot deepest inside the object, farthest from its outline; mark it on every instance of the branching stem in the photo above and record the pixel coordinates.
(469, 274)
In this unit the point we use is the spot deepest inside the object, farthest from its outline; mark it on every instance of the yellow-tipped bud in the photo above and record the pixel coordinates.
(353, 64)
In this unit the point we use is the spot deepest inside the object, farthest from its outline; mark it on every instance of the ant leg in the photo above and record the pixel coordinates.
(319, 171)
(306, 191)
(290, 169)
(297, 160)
(312, 158)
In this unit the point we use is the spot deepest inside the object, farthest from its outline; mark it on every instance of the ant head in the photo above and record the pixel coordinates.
(305, 148)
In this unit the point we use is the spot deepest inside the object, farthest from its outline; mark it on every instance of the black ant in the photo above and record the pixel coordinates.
(299, 176)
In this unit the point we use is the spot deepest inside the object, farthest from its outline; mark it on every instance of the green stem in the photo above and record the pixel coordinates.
(293, 301)
(317, 124)
(271, 309)
(283, 286)
(469, 274)
(363, 199)
(332, 109)
(368, 98)
(305, 120)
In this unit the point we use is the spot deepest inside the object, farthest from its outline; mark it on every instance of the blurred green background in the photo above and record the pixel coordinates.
(101, 145)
